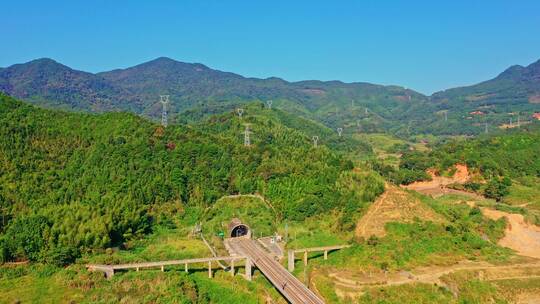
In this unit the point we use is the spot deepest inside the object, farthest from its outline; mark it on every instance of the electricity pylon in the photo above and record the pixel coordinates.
(164, 99)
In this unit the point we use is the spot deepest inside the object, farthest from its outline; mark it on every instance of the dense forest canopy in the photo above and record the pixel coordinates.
(72, 182)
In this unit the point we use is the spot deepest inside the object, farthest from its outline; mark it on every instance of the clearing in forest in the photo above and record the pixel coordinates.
(461, 175)
(394, 205)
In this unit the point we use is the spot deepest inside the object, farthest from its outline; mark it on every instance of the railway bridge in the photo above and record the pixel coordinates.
(251, 252)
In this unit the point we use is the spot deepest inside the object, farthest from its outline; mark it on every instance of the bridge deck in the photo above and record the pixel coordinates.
(165, 263)
(286, 283)
(109, 269)
(325, 248)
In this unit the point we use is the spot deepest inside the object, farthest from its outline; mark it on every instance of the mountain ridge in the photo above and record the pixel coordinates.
(353, 106)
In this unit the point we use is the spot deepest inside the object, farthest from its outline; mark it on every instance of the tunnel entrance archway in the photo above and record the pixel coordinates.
(238, 229)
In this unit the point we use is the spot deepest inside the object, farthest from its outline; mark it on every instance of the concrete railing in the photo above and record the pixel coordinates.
(325, 249)
(109, 269)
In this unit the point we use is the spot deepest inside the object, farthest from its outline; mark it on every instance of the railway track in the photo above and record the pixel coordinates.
(289, 286)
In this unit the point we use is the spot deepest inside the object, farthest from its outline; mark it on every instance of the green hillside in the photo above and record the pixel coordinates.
(74, 182)
(116, 188)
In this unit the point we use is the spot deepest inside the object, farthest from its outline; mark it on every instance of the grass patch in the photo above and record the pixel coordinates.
(163, 244)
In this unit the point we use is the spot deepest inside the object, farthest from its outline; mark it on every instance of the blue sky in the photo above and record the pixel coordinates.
(423, 45)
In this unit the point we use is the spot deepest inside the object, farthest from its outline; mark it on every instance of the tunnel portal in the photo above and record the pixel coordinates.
(238, 229)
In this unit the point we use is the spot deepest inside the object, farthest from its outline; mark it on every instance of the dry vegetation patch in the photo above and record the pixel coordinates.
(395, 205)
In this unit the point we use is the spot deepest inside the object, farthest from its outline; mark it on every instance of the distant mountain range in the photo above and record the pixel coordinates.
(196, 90)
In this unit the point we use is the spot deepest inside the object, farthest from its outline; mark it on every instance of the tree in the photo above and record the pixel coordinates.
(497, 188)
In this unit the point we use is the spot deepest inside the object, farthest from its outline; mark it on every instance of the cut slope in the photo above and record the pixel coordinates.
(519, 235)
(461, 176)
(395, 205)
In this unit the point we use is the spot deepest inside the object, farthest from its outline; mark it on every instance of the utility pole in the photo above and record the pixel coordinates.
(286, 232)
(164, 99)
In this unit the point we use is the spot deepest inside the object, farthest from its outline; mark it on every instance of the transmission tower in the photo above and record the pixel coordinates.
(445, 115)
(240, 111)
(269, 104)
(339, 131)
(164, 99)
(315, 140)
(486, 130)
(366, 111)
(518, 121)
(247, 140)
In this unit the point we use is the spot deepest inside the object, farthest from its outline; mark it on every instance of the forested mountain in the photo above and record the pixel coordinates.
(515, 92)
(198, 91)
(197, 87)
(71, 182)
(511, 87)
(49, 83)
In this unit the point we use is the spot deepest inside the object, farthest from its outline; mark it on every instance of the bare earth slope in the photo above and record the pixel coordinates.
(395, 205)
(519, 235)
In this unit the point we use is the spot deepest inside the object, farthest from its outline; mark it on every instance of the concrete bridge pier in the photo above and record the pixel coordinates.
(209, 269)
(290, 260)
(248, 269)
(185, 267)
(232, 268)
(109, 273)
